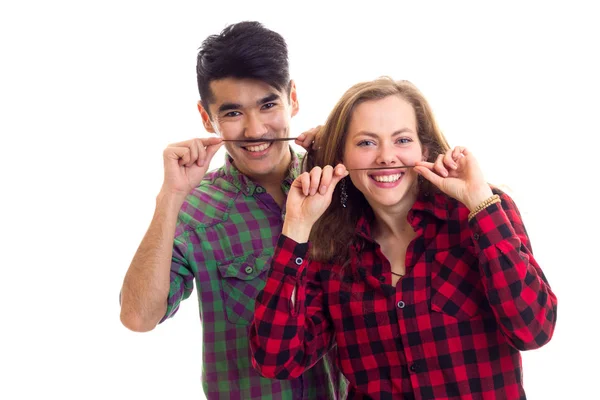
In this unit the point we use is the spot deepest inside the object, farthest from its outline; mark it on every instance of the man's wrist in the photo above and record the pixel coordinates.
(171, 201)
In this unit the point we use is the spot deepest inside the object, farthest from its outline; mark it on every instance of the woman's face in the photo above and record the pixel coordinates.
(383, 133)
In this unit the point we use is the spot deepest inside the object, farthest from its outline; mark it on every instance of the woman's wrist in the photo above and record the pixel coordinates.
(483, 205)
(296, 231)
(478, 197)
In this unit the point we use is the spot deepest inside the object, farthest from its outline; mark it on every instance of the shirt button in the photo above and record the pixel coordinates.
(401, 304)
(260, 189)
(299, 261)
(414, 367)
(476, 236)
(382, 278)
(249, 270)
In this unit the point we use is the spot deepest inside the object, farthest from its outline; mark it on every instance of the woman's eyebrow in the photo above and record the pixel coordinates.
(375, 135)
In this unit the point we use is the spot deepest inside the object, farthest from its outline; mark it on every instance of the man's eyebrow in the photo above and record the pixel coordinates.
(268, 98)
(229, 106)
(234, 106)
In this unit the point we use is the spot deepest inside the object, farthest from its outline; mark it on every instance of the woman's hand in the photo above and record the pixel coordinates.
(309, 197)
(457, 174)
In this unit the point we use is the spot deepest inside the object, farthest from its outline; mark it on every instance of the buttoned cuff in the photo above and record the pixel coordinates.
(290, 257)
(490, 226)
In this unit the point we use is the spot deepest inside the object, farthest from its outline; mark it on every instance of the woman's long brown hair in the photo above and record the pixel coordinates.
(334, 233)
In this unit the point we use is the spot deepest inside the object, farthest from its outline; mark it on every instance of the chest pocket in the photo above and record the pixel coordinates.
(456, 285)
(242, 278)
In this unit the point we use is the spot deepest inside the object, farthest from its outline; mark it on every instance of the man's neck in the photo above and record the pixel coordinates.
(273, 180)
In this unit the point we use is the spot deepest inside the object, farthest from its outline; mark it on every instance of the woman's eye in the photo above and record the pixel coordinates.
(363, 143)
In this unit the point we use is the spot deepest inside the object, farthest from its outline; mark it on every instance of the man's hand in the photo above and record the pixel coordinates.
(308, 138)
(186, 163)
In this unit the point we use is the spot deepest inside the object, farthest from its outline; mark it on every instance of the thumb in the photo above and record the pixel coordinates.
(212, 148)
(339, 173)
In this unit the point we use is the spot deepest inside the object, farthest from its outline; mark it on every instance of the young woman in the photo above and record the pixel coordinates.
(404, 257)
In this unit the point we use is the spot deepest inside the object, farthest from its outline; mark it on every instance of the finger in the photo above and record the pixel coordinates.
(181, 144)
(209, 141)
(208, 151)
(315, 178)
(439, 166)
(306, 139)
(465, 152)
(212, 150)
(206, 141)
(302, 139)
(325, 179)
(194, 153)
(339, 173)
(181, 154)
(458, 152)
(449, 159)
(184, 160)
(430, 175)
(305, 183)
(425, 164)
(195, 147)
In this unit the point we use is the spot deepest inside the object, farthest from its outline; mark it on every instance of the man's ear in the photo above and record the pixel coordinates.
(205, 118)
(294, 98)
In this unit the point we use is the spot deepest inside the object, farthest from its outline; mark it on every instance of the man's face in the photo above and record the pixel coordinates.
(251, 109)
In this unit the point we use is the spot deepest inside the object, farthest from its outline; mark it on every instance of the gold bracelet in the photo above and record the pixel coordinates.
(484, 204)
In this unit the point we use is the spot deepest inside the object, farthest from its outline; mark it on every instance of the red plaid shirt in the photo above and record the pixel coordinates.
(473, 296)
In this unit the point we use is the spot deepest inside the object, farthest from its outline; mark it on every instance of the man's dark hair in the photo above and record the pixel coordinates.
(245, 50)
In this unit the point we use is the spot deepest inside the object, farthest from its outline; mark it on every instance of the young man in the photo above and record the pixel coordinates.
(220, 228)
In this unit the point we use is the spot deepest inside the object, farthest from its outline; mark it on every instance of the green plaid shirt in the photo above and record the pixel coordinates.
(226, 233)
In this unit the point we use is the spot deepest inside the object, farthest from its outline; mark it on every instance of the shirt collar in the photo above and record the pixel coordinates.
(246, 185)
(435, 204)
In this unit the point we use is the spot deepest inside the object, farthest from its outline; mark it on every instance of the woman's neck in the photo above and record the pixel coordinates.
(392, 220)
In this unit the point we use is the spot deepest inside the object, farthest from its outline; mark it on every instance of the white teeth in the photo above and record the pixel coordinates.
(387, 178)
(260, 147)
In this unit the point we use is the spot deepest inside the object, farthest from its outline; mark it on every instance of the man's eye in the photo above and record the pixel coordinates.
(232, 114)
(268, 105)
(404, 140)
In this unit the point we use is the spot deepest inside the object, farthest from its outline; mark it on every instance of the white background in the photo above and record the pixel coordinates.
(91, 92)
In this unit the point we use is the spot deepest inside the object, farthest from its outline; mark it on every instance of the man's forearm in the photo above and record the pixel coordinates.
(146, 284)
